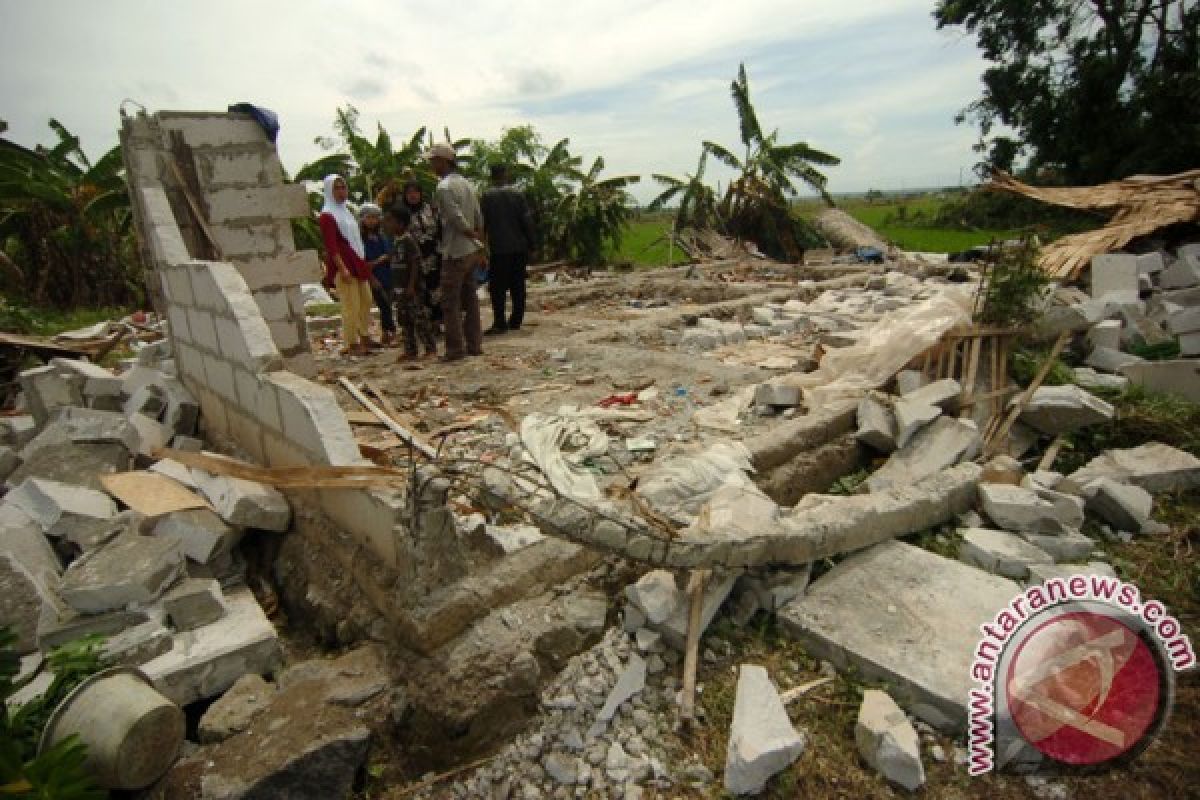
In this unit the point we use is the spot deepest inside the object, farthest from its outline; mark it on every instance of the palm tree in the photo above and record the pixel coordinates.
(65, 224)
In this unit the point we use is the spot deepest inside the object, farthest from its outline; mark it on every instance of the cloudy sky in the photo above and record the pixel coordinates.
(640, 83)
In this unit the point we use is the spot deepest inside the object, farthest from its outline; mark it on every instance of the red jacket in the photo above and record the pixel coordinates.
(336, 243)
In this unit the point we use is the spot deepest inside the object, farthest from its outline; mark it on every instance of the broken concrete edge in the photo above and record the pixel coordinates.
(841, 525)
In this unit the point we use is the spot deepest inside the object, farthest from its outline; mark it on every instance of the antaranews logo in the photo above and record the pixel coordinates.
(1076, 671)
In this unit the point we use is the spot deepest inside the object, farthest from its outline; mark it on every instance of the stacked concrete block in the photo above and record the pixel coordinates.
(1115, 277)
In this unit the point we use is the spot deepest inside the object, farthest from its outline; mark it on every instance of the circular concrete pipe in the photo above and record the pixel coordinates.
(132, 733)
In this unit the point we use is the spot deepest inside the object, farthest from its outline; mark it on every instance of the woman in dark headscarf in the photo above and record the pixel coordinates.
(426, 229)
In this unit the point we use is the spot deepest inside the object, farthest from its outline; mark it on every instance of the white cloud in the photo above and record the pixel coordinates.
(640, 83)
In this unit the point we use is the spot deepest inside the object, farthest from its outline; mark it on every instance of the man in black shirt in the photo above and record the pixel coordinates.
(510, 236)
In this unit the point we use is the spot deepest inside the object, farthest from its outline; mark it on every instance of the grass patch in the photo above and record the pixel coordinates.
(323, 310)
(1140, 416)
(644, 244)
(51, 321)
(899, 221)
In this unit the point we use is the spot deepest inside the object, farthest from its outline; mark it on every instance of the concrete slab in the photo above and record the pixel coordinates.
(1000, 552)
(85, 426)
(674, 629)
(137, 645)
(1040, 573)
(656, 595)
(941, 393)
(1064, 409)
(943, 443)
(245, 504)
(17, 431)
(1067, 546)
(1115, 277)
(59, 624)
(911, 416)
(201, 535)
(131, 569)
(75, 464)
(887, 741)
(1178, 376)
(61, 509)
(22, 537)
(22, 595)
(1106, 359)
(1014, 508)
(1088, 378)
(192, 603)
(1124, 506)
(1155, 467)
(905, 616)
(46, 390)
(876, 423)
(206, 661)
(1183, 274)
(762, 740)
(1106, 333)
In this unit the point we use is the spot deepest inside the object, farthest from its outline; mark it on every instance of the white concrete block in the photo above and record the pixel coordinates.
(258, 241)
(208, 660)
(273, 304)
(61, 509)
(130, 570)
(177, 285)
(245, 504)
(282, 270)
(286, 335)
(177, 319)
(1106, 334)
(166, 245)
(232, 341)
(218, 376)
(1115, 277)
(887, 741)
(1000, 552)
(203, 329)
(253, 203)
(762, 740)
(314, 421)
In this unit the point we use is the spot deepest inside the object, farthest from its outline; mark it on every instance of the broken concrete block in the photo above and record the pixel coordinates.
(245, 504)
(1154, 466)
(655, 595)
(137, 645)
(1151, 263)
(1183, 274)
(59, 624)
(1040, 573)
(909, 380)
(1067, 507)
(941, 393)
(101, 389)
(1000, 552)
(674, 629)
(697, 339)
(775, 588)
(234, 711)
(1108, 360)
(9, 461)
(170, 468)
(206, 661)
(1124, 506)
(943, 443)
(504, 540)
(84, 426)
(1015, 508)
(630, 682)
(18, 430)
(1064, 409)
(74, 464)
(1189, 344)
(1065, 546)
(148, 399)
(1106, 333)
(61, 509)
(1139, 330)
(192, 603)
(131, 569)
(1115, 277)
(1178, 376)
(911, 417)
(764, 316)
(152, 434)
(876, 424)
(46, 390)
(187, 444)
(778, 395)
(182, 411)
(22, 595)
(22, 537)
(762, 741)
(1088, 378)
(1183, 320)
(887, 741)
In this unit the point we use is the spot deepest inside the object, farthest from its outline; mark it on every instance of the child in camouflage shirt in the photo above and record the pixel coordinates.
(409, 281)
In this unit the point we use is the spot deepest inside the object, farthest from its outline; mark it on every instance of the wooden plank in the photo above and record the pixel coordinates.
(364, 418)
(392, 425)
(399, 416)
(285, 478)
(695, 594)
(150, 493)
(1051, 453)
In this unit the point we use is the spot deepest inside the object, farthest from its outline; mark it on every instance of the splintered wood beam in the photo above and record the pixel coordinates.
(392, 425)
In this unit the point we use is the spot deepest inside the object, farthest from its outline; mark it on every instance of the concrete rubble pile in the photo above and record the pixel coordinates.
(167, 588)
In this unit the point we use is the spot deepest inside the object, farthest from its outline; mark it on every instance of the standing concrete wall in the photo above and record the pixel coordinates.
(234, 176)
(235, 323)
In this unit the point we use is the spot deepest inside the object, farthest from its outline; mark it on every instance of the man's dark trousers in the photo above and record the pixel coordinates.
(507, 274)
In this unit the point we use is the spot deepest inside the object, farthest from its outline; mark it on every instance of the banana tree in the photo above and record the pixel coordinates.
(697, 200)
(757, 202)
(592, 215)
(369, 167)
(65, 225)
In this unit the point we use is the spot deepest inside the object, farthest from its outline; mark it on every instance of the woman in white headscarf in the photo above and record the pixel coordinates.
(345, 266)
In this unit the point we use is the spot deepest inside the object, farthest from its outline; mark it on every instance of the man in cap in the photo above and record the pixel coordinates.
(462, 248)
(510, 238)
